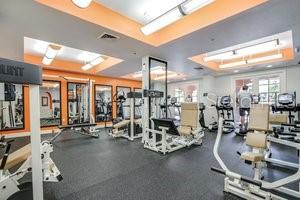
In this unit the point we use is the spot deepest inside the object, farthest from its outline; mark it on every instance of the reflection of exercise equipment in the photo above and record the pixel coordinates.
(10, 187)
(164, 137)
(129, 128)
(10, 108)
(225, 110)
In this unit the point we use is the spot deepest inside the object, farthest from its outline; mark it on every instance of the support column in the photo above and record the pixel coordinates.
(35, 137)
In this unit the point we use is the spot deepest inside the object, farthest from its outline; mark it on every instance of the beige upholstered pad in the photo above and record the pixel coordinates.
(256, 139)
(253, 157)
(278, 118)
(121, 124)
(184, 130)
(189, 114)
(259, 117)
(18, 156)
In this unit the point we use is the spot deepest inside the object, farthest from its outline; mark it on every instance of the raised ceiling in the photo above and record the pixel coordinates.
(141, 11)
(31, 19)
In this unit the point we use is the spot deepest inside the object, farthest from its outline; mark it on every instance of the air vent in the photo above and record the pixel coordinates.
(108, 36)
(198, 68)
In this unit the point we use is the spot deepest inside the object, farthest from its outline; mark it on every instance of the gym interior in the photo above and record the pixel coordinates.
(149, 99)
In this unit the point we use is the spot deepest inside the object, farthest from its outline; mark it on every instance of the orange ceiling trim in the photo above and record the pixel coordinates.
(288, 54)
(105, 17)
(64, 65)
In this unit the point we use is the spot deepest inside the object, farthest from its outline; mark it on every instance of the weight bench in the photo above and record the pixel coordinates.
(9, 184)
(118, 129)
(172, 138)
(83, 129)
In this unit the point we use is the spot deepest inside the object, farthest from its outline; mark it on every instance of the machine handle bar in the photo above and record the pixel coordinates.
(242, 178)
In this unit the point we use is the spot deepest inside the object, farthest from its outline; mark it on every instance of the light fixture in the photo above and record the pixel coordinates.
(221, 56)
(265, 58)
(158, 70)
(87, 67)
(245, 51)
(82, 3)
(269, 66)
(236, 71)
(192, 5)
(137, 75)
(50, 54)
(258, 48)
(162, 21)
(233, 64)
(50, 76)
(93, 63)
(173, 15)
(164, 77)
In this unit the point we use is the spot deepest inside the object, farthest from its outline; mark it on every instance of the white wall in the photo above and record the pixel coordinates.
(293, 80)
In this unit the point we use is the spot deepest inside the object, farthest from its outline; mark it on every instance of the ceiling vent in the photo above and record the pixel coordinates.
(198, 68)
(108, 36)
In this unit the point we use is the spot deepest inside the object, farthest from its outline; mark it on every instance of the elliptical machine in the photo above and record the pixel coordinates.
(225, 110)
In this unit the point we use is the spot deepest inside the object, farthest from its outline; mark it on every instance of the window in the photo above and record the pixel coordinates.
(179, 94)
(50, 113)
(195, 96)
(268, 87)
(240, 83)
(11, 106)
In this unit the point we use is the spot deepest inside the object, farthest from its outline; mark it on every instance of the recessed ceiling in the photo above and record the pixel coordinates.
(142, 11)
(62, 28)
(39, 47)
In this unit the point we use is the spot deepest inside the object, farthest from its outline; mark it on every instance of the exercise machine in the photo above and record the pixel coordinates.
(165, 137)
(129, 128)
(225, 110)
(252, 188)
(10, 188)
(24, 73)
(86, 129)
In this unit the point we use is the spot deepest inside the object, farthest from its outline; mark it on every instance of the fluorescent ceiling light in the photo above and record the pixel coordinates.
(87, 67)
(163, 77)
(232, 64)
(162, 21)
(46, 61)
(93, 63)
(50, 76)
(246, 51)
(82, 3)
(97, 61)
(265, 58)
(221, 56)
(192, 5)
(50, 54)
(77, 79)
(258, 48)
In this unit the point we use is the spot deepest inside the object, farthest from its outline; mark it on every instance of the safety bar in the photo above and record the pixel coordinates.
(242, 178)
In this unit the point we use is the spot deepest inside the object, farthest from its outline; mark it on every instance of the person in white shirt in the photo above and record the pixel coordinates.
(244, 101)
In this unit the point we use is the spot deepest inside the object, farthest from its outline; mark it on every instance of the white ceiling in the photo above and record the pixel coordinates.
(39, 47)
(142, 11)
(19, 19)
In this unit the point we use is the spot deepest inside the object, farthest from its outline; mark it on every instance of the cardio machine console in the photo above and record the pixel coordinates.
(286, 99)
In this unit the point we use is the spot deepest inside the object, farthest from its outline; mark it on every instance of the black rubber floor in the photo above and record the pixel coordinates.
(115, 169)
